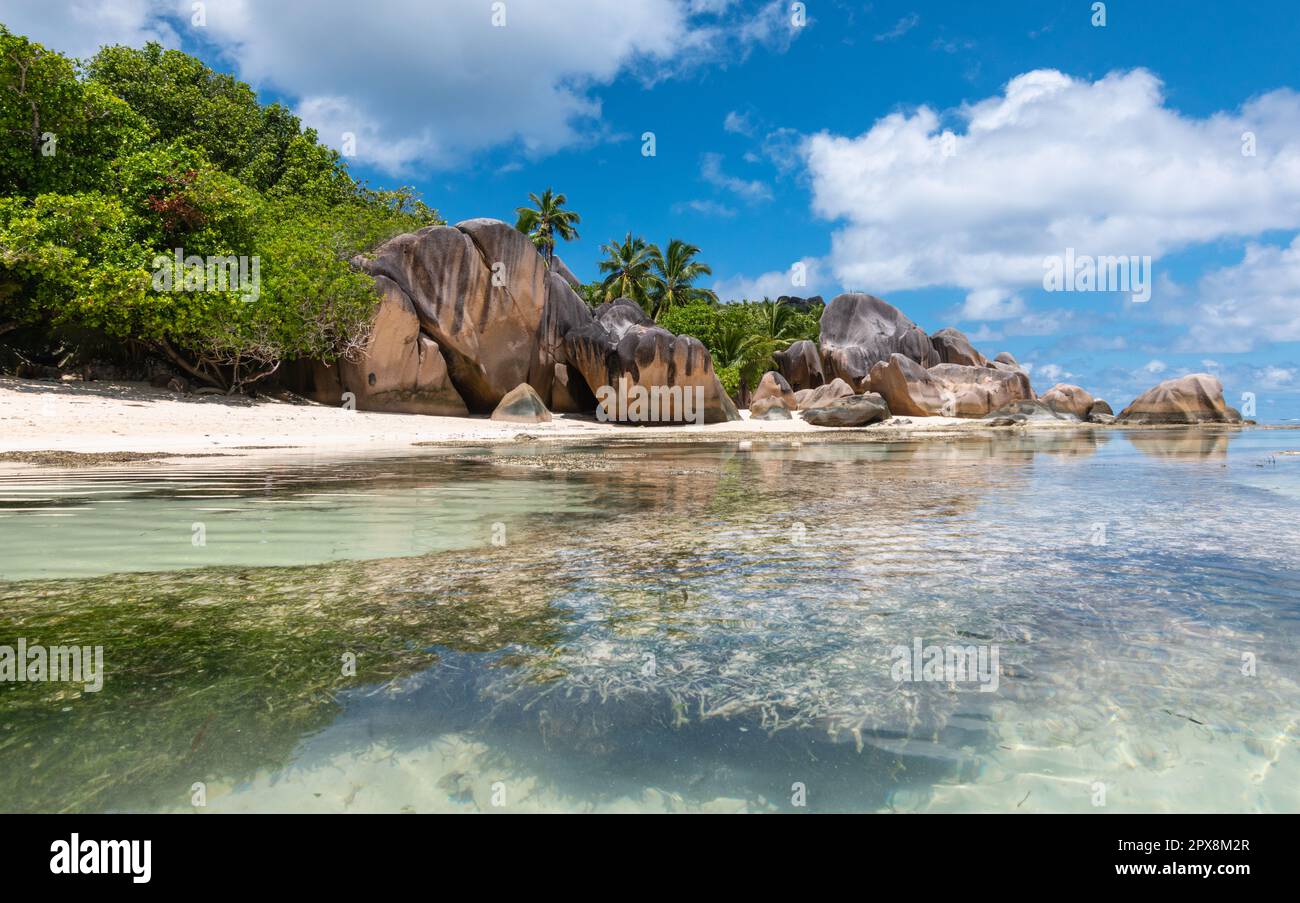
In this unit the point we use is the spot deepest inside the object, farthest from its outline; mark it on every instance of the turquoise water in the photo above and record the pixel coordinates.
(666, 627)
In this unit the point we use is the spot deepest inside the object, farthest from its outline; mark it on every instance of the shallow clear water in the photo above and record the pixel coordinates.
(666, 627)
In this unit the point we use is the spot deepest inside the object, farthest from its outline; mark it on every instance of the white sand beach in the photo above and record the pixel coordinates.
(109, 417)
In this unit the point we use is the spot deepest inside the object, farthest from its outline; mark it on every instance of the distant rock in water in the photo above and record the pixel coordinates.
(522, 404)
(855, 410)
(801, 365)
(833, 391)
(1196, 398)
(953, 347)
(859, 331)
(1069, 399)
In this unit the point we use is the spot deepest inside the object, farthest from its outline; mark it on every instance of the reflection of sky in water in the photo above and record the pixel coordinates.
(699, 627)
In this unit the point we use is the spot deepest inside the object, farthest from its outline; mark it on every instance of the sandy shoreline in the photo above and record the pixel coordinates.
(110, 418)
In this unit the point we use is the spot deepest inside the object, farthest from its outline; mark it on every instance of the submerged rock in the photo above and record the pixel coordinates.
(522, 404)
(855, 410)
(1196, 398)
(858, 331)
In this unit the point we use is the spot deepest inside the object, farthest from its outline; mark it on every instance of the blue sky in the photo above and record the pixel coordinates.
(826, 144)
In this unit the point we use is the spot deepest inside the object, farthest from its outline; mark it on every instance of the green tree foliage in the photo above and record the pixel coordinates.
(157, 156)
(675, 272)
(741, 337)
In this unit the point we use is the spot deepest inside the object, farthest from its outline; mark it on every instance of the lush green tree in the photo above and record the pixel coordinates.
(57, 132)
(628, 270)
(674, 275)
(547, 220)
(167, 178)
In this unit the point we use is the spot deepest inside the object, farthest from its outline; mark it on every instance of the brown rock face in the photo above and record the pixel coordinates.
(856, 410)
(1069, 399)
(1196, 398)
(859, 331)
(401, 370)
(773, 385)
(801, 365)
(833, 391)
(620, 352)
(949, 390)
(908, 387)
(484, 295)
(522, 404)
(976, 391)
(953, 347)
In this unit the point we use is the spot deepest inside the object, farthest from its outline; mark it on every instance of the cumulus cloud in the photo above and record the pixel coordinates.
(80, 27)
(1250, 304)
(1105, 167)
(773, 284)
(417, 84)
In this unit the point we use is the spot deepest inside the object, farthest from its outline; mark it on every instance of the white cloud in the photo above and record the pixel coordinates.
(738, 123)
(1247, 305)
(991, 304)
(80, 27)
(772, 285)
(705, 208)
(902, 27)
(432, 86)
(749, 189)
(1156, 367)
(1105, 167)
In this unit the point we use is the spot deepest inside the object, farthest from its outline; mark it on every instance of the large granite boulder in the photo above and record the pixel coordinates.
(486, 297)
(801, 365)
(1068, 399)
(856, 410)
(1196, 398)
(522, 404)
(820, 397)
(977, 390)
(773, 385)
(859, 331)
(948, 390)
(953, 347)
(909, 388)
(400, 370)
(641, 373)
(561, 269)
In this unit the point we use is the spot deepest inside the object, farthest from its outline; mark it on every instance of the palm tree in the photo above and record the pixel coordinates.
(739, 348)
(547, 220)
(628, 268)
(779, 324)
(674, 273)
